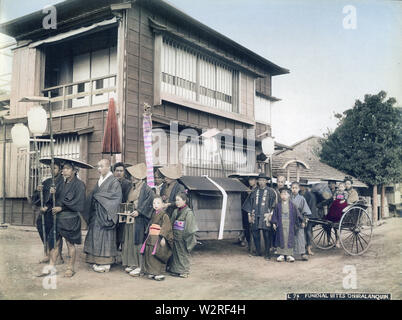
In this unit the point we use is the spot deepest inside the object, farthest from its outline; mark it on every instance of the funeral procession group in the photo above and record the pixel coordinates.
(153, 230)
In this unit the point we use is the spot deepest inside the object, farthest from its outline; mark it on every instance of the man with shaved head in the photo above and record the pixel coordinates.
(101, 210)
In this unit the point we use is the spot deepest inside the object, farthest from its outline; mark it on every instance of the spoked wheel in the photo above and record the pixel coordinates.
(324, 236)
(355, 231)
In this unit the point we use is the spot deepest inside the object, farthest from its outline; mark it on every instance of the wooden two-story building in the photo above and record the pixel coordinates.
(137, 52)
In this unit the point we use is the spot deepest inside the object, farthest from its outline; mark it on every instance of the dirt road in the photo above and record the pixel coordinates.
(220, 270)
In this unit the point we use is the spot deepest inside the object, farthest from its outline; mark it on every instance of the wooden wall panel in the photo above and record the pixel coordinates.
(26, 78)
(263, 85)
(17, 171)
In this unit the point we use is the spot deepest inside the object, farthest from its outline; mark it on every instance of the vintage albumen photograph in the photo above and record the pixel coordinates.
(213, 150)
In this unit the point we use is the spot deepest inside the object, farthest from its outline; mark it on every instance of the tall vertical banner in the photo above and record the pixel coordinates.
(147, 132)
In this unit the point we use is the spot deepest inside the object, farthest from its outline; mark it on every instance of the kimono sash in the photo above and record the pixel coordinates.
(179, 225)
(155, 229)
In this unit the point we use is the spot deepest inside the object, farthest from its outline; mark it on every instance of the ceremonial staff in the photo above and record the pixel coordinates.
(52, 167)
(45, 249)
(43, 119)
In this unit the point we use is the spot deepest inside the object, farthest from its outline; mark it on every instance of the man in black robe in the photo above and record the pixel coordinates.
(119, 172)
(46, 210)
(246, 234)
(70, 201)
(101, 210)
(260, 207)
(311, 199)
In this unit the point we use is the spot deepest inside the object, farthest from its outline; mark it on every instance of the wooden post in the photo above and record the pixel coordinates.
(375, 204)
(383, 201)
(64, 98)
(4, 171)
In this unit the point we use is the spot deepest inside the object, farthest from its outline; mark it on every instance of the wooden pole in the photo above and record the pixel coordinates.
(37, 154)
(52, 166)
(4, 171)
(375, 204)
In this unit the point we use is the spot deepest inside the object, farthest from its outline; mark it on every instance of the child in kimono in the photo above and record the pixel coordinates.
(184, 229)
(340, 202)
(157, 245)
(341, 194)
(285, 219)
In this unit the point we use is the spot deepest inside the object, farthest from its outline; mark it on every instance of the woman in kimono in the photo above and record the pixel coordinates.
(158, 243)
(285, 219)
(184, 229)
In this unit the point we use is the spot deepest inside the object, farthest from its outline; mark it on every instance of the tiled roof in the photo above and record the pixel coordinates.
(307, 152)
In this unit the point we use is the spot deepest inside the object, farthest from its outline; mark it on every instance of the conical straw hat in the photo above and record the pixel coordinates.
(138, 171)
(171, 171)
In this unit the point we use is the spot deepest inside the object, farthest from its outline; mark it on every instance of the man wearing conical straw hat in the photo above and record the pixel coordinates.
(69, 203)
(171, 187)
(142, 196)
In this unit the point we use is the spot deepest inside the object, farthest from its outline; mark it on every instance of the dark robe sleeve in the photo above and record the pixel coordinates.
(249, 203)
(88, 208)
(272, 199)
(277, 220)
(297, 215)
(74, 199)
(125, 189)
(45, 190)
(59, 185)
(145, 202)
(274, 219)
(108, 204)
(312, 203)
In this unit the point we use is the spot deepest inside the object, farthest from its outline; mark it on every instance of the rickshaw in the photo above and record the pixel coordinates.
(355, 230)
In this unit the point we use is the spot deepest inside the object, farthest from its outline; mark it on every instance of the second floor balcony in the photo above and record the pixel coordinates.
(81, 72)
(84, 93)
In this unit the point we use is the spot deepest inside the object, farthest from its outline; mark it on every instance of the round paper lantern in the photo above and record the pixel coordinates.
(20, 135)
(37, 120)
(268, 146)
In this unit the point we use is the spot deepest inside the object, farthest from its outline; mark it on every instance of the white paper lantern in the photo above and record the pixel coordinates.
(20, 135)
(268, 146)
(37, 120)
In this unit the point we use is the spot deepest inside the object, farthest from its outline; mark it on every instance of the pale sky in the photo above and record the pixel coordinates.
(330, 66)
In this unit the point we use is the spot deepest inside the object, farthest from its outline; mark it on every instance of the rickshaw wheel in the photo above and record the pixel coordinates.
(355, 231)
(324, 236)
